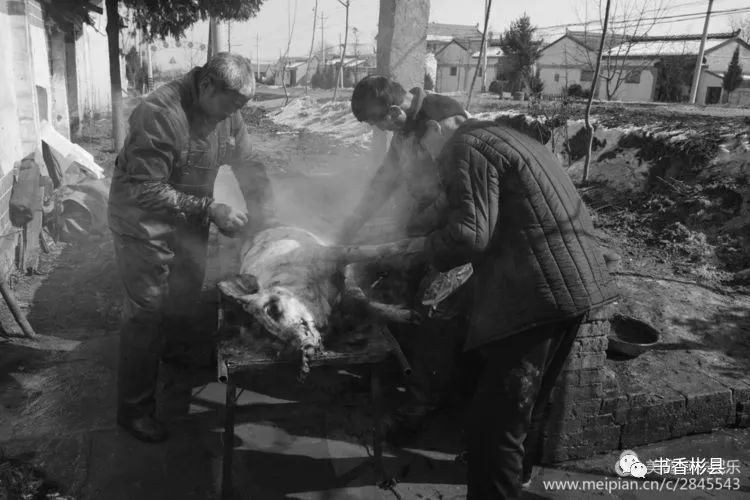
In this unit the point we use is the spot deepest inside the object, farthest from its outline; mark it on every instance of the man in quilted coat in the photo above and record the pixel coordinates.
(517, 217)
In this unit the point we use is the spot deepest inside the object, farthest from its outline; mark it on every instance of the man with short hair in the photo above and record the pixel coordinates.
(160, 210)
(516, 216)
(383, 103)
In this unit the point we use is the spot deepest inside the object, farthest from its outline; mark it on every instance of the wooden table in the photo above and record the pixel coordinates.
(367, 345)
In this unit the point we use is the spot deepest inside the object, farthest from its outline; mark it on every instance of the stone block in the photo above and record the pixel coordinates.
(582, 377)
(659, 419)
(743, 415)
(590, 344)
(584, 361)
(594, 329)
(709, 410)
(617, 406)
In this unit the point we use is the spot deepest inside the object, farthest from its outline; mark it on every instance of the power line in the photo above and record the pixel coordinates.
(658, 20)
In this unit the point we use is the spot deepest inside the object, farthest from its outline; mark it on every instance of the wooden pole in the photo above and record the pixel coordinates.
(340, 76)
(312, 44)
(699, 61)
(479, 59)
(18, 315)
(587, 115)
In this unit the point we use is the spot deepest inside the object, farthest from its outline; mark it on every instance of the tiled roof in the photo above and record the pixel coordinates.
(590, 39)
(675, 47)
(453, 30)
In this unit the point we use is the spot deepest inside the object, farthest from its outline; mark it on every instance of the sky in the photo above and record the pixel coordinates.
(266, 36)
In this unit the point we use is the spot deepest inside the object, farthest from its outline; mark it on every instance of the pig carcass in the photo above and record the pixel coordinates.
(302, 283)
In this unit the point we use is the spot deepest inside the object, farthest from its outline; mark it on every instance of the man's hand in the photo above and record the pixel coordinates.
(227, 219)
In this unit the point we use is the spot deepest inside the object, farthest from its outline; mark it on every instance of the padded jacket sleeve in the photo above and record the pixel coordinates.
(472, 189)
(150, 154)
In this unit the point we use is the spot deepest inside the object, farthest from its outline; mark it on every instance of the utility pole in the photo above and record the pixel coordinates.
(229, 36)
(257, 56)
(340, 79)
(699, 61)
(322, 38)
(484, 57)
(312, 45)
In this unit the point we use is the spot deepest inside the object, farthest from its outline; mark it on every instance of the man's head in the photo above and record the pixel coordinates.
(226, 84)
(377, 100)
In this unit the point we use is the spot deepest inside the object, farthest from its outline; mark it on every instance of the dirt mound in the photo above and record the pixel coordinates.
(330, 118)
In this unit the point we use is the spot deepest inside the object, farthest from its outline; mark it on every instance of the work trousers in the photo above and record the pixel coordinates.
(162, 281)
(515, 377)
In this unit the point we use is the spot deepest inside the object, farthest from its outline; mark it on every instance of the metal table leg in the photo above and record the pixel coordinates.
(377, 415)
(226, 475)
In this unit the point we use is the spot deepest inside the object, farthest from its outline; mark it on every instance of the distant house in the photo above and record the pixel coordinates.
(357, 67)
(456, 48)
(297, 71)
(634, 63)
(439, 35)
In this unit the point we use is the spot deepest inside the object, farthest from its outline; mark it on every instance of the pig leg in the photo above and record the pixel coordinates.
(356, 298)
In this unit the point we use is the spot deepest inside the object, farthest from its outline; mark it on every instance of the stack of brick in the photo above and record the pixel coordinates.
(574, 425)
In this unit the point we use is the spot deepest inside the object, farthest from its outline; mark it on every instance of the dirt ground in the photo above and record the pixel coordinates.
(57, 392)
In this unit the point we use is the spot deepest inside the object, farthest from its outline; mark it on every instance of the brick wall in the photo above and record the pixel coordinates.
(575, 427)
(592, 411)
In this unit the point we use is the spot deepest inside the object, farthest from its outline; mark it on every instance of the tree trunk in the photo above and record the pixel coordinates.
(595, 81)
(113, 42)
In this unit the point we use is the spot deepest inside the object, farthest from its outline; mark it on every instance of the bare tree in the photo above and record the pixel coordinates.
(355, 36)
(587, 115)
(742, 24)
(630, 22)
(285, 59)
(312, 44)
(340, 73)
(481, 51)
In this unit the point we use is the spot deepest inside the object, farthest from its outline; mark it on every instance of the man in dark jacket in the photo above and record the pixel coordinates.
(384, 103)
(517, 217)
(160, 209)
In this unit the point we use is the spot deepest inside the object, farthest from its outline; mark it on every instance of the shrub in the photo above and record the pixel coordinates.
(497, 86)
(575, 90)
(428, 83)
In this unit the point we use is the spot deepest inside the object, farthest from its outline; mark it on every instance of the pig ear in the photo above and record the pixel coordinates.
(247, 298)
(235, 288)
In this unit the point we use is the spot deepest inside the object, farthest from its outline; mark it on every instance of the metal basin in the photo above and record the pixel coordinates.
(631, 337)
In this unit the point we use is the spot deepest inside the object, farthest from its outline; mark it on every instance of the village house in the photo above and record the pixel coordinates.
(52, 77)
(457, 49)
(296, 70)
(630, 68)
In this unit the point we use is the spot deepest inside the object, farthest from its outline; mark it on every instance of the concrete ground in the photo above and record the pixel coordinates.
(291, 441)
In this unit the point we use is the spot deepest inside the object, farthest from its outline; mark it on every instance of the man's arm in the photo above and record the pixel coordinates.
(149, 154)
(377, 192)
(472, 191)
(252, 176)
